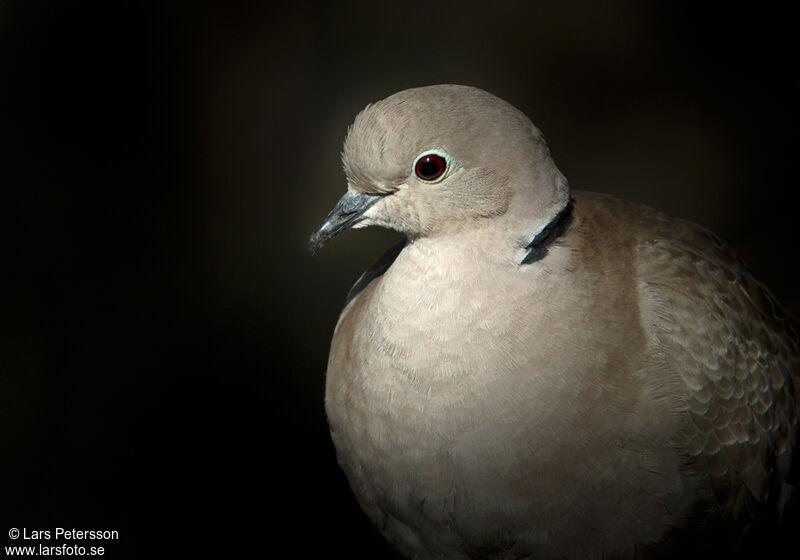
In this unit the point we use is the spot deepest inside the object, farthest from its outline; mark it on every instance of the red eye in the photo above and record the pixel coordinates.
(430, 167)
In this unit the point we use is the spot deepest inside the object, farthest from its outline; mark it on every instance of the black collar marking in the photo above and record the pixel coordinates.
(537, 249)
(376, 270)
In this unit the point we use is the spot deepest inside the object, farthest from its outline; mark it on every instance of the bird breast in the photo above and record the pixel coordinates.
(449, 408)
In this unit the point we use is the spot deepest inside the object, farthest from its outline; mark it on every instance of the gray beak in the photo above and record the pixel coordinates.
(347, 212)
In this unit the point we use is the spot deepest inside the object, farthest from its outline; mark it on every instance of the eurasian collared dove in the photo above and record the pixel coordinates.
(536, 373)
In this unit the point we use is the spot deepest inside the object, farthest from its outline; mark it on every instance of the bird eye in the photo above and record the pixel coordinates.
(430, 167)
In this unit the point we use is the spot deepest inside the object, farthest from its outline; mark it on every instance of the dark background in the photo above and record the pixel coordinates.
(165, 333)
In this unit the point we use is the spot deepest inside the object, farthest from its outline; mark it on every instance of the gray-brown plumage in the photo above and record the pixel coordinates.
(537, 373)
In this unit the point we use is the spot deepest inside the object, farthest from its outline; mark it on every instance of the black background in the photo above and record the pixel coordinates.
(165, 333)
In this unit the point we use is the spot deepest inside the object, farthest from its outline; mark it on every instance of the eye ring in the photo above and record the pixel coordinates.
(432, 166)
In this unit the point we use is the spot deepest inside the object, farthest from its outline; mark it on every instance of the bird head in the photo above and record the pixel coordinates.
(437, 159)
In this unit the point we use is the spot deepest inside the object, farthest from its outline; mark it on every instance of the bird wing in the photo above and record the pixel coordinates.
(733, 351)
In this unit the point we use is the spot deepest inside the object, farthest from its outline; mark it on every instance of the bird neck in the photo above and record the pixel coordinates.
(504, 240)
